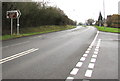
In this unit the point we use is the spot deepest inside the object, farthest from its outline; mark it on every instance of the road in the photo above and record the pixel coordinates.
(55, 55)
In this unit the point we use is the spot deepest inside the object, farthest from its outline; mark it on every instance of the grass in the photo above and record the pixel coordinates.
(36, 30)
(108, 29)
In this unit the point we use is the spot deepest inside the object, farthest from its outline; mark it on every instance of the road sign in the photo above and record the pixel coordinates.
(19, 13)
(14, 14)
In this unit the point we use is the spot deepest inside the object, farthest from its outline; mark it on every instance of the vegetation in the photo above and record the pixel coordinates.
(37, 30)
(108, 29)
(90, 21)
(33, 14)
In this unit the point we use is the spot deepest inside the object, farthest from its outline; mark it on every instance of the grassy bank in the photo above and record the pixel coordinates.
(36, 30)
(108, 29)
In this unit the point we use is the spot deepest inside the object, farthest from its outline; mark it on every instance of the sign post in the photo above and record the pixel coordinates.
(11, 26)
(14, 14)
(18, 30)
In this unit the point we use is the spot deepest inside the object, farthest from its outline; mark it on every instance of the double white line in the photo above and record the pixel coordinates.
(18, 55)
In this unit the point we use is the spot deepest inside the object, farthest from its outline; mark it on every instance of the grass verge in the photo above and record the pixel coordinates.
(108, 29)
(36, 30)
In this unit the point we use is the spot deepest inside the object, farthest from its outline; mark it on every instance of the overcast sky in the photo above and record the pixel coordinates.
(81, 10)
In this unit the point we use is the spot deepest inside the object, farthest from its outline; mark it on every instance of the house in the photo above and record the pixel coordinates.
(113, 20)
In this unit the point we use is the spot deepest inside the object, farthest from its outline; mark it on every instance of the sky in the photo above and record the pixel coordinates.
(81, 10)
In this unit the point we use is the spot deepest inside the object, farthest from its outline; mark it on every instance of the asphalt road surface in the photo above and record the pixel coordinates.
(55, 55)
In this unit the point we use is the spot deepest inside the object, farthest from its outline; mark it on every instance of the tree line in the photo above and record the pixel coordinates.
(34, 14)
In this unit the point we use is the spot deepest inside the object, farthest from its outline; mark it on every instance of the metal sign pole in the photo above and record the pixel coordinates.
(18, 26)
(11, 26)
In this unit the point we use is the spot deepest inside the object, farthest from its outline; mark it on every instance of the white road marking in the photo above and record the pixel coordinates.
(95, 52)
(99, 41)
(94, 56)
(96, 49)
(85, 55)
(16, 44)
(93, 60)
(87, 51)
(17, 55)
(90, 47)
(79, 64)
(88, 73)
(70, 77)
(74, 71)
(94, 39)
(91, 65)
(82, 59)
(98, 45)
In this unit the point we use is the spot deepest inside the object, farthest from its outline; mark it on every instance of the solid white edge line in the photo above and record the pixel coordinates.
(94, 39)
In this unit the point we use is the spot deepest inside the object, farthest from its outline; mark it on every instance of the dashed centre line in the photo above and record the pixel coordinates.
(91, 65)
(85, 55)
(88, 73)
(95, 52)
(70, 78)
(96, 49)
(79, 64)
(74, 71)
(87, 51)
(82, 59)
(93, 60)
(94, 56)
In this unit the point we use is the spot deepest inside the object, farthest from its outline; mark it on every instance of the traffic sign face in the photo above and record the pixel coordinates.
(13, 14)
